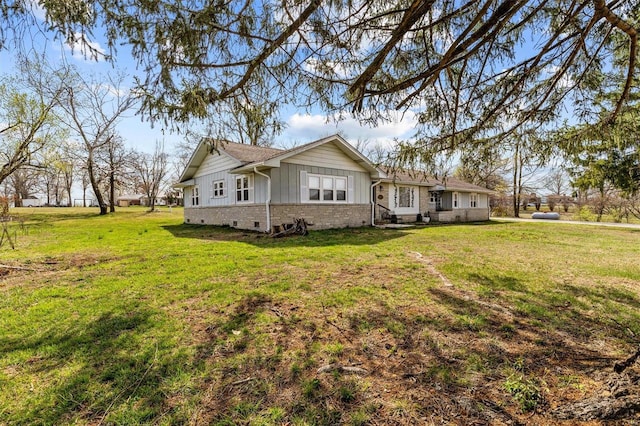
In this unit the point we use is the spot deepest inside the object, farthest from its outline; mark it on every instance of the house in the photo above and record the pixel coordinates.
(127, 200)
(31, 201)
(327, 182)
(402, 196)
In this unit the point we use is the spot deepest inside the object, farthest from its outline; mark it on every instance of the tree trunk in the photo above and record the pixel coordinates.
(112, 191)
(94, 184)
(516, 186)
(68, 183)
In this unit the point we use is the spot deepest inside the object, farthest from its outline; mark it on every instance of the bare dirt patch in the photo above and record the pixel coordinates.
(465, 360)
(14, 273)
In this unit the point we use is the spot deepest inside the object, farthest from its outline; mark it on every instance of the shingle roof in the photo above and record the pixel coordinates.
(453, 184)
(248, 153)
(410, 176)
(417, 177)
(277, 155)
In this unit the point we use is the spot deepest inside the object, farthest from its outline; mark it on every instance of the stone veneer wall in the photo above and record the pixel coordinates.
(462, 215)
(323, 216)
(245, 217)
(424, 200)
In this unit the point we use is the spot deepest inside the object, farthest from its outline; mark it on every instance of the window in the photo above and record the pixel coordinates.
(243, 189)
(404, 197)
(435, 197)
(195, 196)
(217, 189)
(473, 200)
(455, 200)
(327, 188)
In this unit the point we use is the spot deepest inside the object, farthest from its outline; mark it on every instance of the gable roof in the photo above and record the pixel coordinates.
(249, 157)
(339, 141)
(247, 153)
(242, 153)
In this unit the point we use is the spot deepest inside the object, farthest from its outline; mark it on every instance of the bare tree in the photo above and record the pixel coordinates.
(151, 170)
(24, 182)
(27, 119)
(110, 167)
(86, 182)
(525, 162)
(67, 165)
(556, 181)
(93, 109)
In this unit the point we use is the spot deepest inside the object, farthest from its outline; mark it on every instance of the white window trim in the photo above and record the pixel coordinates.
(215, 186)
(414, 200)
(455, 200)
(473, 199)
(306, 188)
(195, 196)
(249, 188)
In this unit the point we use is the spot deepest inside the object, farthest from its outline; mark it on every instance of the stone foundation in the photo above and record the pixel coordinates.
(461, 215)
(323, 216)
(241, 217)
(254, 217)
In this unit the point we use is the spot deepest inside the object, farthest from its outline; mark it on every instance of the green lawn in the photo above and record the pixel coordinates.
(135, 318)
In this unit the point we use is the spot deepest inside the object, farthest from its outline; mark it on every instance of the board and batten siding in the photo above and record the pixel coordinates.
(327, 156)
(285, 182)
(215, 162)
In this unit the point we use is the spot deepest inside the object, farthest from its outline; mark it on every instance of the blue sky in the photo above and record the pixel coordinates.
(301, 126)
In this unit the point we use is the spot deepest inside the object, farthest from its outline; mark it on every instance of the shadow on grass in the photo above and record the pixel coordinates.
(497, 283)
(447, 367)
(330, 237)
(106, 370)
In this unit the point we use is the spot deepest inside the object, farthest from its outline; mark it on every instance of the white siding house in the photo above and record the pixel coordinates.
(327, 182)
(402, 196)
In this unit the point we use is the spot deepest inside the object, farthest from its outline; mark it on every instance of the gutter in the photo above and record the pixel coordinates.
(373, 203)
(268, 202)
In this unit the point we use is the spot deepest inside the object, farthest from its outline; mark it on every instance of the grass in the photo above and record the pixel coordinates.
(136, 318)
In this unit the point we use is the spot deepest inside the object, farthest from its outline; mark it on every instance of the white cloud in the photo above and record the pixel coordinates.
(83, 49)
(565, 81)
(112, 90)
(303, 128)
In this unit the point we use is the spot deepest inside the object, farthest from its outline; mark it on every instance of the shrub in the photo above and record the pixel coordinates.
(585, 214)
(525, 392)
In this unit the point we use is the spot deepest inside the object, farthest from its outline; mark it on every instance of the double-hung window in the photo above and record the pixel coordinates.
(218, 189)
(473, 200)
(195, 196)
(456, 200)
(328, 189)
(243, 189)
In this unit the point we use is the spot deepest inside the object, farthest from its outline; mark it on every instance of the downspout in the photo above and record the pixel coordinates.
(373, 203)
(268, 202)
